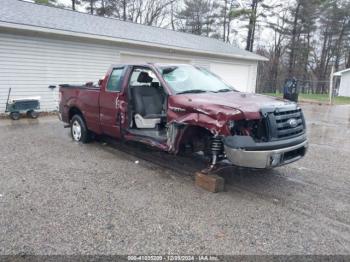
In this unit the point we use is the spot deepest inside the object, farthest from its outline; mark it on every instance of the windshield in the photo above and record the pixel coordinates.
(189, 79)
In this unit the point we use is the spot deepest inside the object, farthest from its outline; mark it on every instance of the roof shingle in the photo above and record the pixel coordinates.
(25, 13)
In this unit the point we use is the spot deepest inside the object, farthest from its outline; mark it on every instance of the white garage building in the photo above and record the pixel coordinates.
(344, 87)
(44, 46)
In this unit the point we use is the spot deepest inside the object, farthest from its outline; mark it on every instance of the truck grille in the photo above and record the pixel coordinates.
(284, 123)
(289, 123)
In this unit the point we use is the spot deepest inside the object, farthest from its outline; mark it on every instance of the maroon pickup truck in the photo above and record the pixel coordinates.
(183, 108)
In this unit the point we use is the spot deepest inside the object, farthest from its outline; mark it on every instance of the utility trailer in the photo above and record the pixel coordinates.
(27, 105)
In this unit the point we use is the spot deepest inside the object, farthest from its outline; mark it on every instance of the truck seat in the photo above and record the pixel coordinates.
(148, 103)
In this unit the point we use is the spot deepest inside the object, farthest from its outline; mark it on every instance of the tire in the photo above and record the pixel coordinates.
(15, 115)
(78, 130)
(32, 114)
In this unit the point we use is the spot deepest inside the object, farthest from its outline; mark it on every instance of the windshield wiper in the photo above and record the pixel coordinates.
(224, 90)
(194, 91)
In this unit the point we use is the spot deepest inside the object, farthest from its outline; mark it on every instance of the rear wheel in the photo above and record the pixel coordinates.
(32, 114)
(15, 115)
(78, 129)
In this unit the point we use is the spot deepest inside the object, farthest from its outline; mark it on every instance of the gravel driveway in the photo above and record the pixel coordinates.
(60, 197)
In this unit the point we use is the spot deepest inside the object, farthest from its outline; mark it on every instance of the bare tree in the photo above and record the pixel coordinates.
(258, 9)
(74, 3)
(309, 36)
(347, 58)
(229, 11)
(334, 27)
(252, 24)
(277, 50)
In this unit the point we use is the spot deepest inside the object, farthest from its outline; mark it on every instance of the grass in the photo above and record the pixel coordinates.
(322, 98)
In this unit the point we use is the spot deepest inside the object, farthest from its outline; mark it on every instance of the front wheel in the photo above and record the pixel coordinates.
(15, 115)
(78, 129)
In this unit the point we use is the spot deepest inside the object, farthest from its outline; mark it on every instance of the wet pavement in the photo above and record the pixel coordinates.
(60, 197)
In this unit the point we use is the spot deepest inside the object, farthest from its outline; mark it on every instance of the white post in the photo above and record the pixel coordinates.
(331, 85)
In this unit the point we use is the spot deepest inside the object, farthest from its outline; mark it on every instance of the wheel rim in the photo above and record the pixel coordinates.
(76, 131)
(15, 116)
(34, 114)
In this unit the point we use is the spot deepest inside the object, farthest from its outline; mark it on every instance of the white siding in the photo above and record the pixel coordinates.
(344, 89)
(29, 64)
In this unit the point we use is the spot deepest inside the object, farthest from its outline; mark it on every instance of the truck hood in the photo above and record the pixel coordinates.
(214, 103)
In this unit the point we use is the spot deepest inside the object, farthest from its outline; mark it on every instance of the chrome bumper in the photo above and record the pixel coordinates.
(266, 159)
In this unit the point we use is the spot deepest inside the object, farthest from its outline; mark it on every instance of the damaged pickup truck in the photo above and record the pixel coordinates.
(186, 109)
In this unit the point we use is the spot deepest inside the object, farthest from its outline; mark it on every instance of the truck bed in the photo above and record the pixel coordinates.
(86, 96)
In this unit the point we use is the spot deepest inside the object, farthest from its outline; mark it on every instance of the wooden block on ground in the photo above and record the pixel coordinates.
(212, 183)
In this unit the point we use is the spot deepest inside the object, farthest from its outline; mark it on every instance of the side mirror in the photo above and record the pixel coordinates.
(100, 82)
(52, 87)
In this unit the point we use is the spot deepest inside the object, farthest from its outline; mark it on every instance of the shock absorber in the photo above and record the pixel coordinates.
(216, 149)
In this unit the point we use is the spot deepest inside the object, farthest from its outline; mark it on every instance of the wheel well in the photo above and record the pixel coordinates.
(74, 111)
(197, 138)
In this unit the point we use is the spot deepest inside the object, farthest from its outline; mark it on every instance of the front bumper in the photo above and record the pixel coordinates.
(266, 158)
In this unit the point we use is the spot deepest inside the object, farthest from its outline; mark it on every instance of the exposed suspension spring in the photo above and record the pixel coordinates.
(216, 149)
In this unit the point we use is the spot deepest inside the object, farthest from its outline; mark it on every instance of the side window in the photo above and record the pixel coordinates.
(114, 83)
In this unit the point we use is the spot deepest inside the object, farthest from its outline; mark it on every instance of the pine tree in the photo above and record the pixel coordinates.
(46, 2)
(199, 16)
(91, 5)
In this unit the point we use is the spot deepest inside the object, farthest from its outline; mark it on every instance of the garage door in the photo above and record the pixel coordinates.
(131, 58)
(236, 75)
